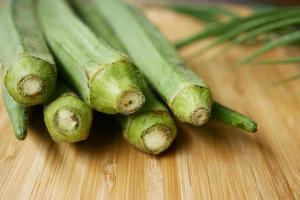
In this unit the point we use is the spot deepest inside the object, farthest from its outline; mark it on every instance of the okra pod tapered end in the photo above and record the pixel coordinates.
(232, 118)
(151, 132)
(30, 80)
(18, 115)
(115, 89)
(193, 105)
(68, 119)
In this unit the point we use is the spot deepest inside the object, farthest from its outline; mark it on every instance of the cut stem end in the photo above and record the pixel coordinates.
(157, 138)
(66, 120)
(200, 116)
(31, 85)
(130, 102)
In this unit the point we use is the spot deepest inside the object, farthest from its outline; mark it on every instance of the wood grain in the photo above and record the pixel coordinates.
(210, 162)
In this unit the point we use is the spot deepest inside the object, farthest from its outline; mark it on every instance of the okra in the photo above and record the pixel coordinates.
(18, 115)
(104, 78)
(95, 19)
(29, 69)
(152, 128)
(187, 95)
(67, 117)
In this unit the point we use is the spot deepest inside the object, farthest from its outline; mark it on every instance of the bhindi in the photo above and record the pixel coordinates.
(103, 77)
(187, 95)
(95, 19)
(18, 115)
(152, 128)
(67, 117)
(28, 66)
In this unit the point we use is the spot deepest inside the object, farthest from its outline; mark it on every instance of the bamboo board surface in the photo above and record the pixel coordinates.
(210, 162)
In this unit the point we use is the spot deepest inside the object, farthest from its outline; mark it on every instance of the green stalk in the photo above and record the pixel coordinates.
(204, 13)
(67, 117)
(29, 70)
(186, 94)
(290, 60)
(99, 25)
(283, 40)
(152, 128)
(267, 28)
(18, 115)
(236, 25)
(105, 78)
(250, 25)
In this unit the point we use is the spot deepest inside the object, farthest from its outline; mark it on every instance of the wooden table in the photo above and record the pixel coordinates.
(210, 162)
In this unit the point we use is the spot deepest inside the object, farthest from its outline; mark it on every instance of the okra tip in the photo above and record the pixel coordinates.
(30, 81)
(193, 105)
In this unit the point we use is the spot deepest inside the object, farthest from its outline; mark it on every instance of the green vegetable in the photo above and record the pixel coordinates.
(105, 78)
(186, 94)
(29, 71)
(98, 24)
(18, 115)
(152, 128)
(232, 118)
(67, 117)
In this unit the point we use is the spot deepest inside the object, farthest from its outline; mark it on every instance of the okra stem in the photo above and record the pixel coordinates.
(186, 94)
(29, 71)
(18, 115)
(95, 19)
(105, 78)
(67, 117)
(152, 128)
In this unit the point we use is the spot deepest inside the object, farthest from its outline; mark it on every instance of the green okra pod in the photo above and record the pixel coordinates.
(105, 78)
(18, 115)
(67, 117)
(186, 94)
(95, 19)
(29, 70)
(152, 128)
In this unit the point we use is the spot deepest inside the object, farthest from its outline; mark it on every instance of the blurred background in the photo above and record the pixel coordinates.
(268, 2)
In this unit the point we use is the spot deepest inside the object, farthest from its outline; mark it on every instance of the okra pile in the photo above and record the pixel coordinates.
(73, 57)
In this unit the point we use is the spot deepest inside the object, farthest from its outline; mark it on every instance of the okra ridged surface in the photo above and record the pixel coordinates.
(18, 115)
(151, 129)
(67, 117)
(95, 19)
(105, 78)
(29, 69)
(186, 94)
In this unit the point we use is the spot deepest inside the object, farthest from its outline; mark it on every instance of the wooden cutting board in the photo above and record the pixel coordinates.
(210, 162)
